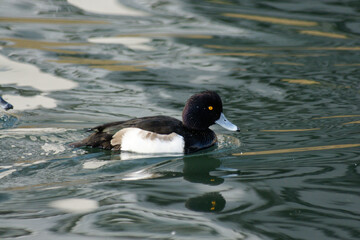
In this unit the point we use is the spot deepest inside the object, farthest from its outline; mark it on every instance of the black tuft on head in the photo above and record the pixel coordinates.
(202, 110)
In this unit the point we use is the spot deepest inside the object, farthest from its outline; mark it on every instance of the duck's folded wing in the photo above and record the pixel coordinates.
(157, 124)
(103, 134)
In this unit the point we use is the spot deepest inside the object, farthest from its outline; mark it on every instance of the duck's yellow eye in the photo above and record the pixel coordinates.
(210, 108)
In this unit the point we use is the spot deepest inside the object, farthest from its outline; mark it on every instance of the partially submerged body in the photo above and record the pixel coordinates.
(157, 134)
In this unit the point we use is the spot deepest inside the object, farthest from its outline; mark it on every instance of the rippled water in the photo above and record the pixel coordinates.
(288, 73)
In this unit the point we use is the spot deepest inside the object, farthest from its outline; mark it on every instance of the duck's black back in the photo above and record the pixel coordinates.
(157, 124)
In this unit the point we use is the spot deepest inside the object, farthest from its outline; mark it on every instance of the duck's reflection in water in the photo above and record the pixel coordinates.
(208, 202)
(198, 169)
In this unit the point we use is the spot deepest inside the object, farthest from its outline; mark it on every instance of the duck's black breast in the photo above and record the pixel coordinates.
(194, 140)
(198, 140)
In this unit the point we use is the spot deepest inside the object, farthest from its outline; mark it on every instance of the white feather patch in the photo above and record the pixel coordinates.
(142, 141)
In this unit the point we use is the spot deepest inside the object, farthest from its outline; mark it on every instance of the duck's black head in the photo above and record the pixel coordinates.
(203, 110)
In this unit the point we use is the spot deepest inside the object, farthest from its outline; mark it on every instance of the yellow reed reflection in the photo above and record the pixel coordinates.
(243, 54)
(111, 65)
(42, 45)
(275, 20)
(175, 35)
(339, 48)
(288, 63)
(120, 68)
(323, 34)
(290, 130)
(354, 122)
(338, 116)
(252, 54)
(85, 61)
(347, 65)
(301, 81)
(295, 150)
(220, 2)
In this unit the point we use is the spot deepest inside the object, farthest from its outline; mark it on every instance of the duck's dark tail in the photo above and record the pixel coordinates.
(5, 105)
(95, 140)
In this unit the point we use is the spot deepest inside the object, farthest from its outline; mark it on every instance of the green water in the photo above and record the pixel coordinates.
(288, 74)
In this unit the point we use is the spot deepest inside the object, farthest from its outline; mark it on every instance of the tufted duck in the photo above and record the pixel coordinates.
(163, 134)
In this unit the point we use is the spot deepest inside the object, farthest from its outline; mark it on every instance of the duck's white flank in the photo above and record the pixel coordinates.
(142, 141)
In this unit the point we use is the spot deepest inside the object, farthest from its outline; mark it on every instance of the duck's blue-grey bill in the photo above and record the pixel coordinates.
(222, 121)
(5, 105)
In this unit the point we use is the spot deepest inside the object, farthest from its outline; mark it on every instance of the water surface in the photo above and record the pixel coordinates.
(287, 72)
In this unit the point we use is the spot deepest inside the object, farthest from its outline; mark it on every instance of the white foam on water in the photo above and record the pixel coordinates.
(6, 173)
(27, 75)
(94, 164)
(135, 43)
(75, 205)
(139, 175)
(27, 103)
(22, 74)
(112, 7)
(5, 167)
(53, 148)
